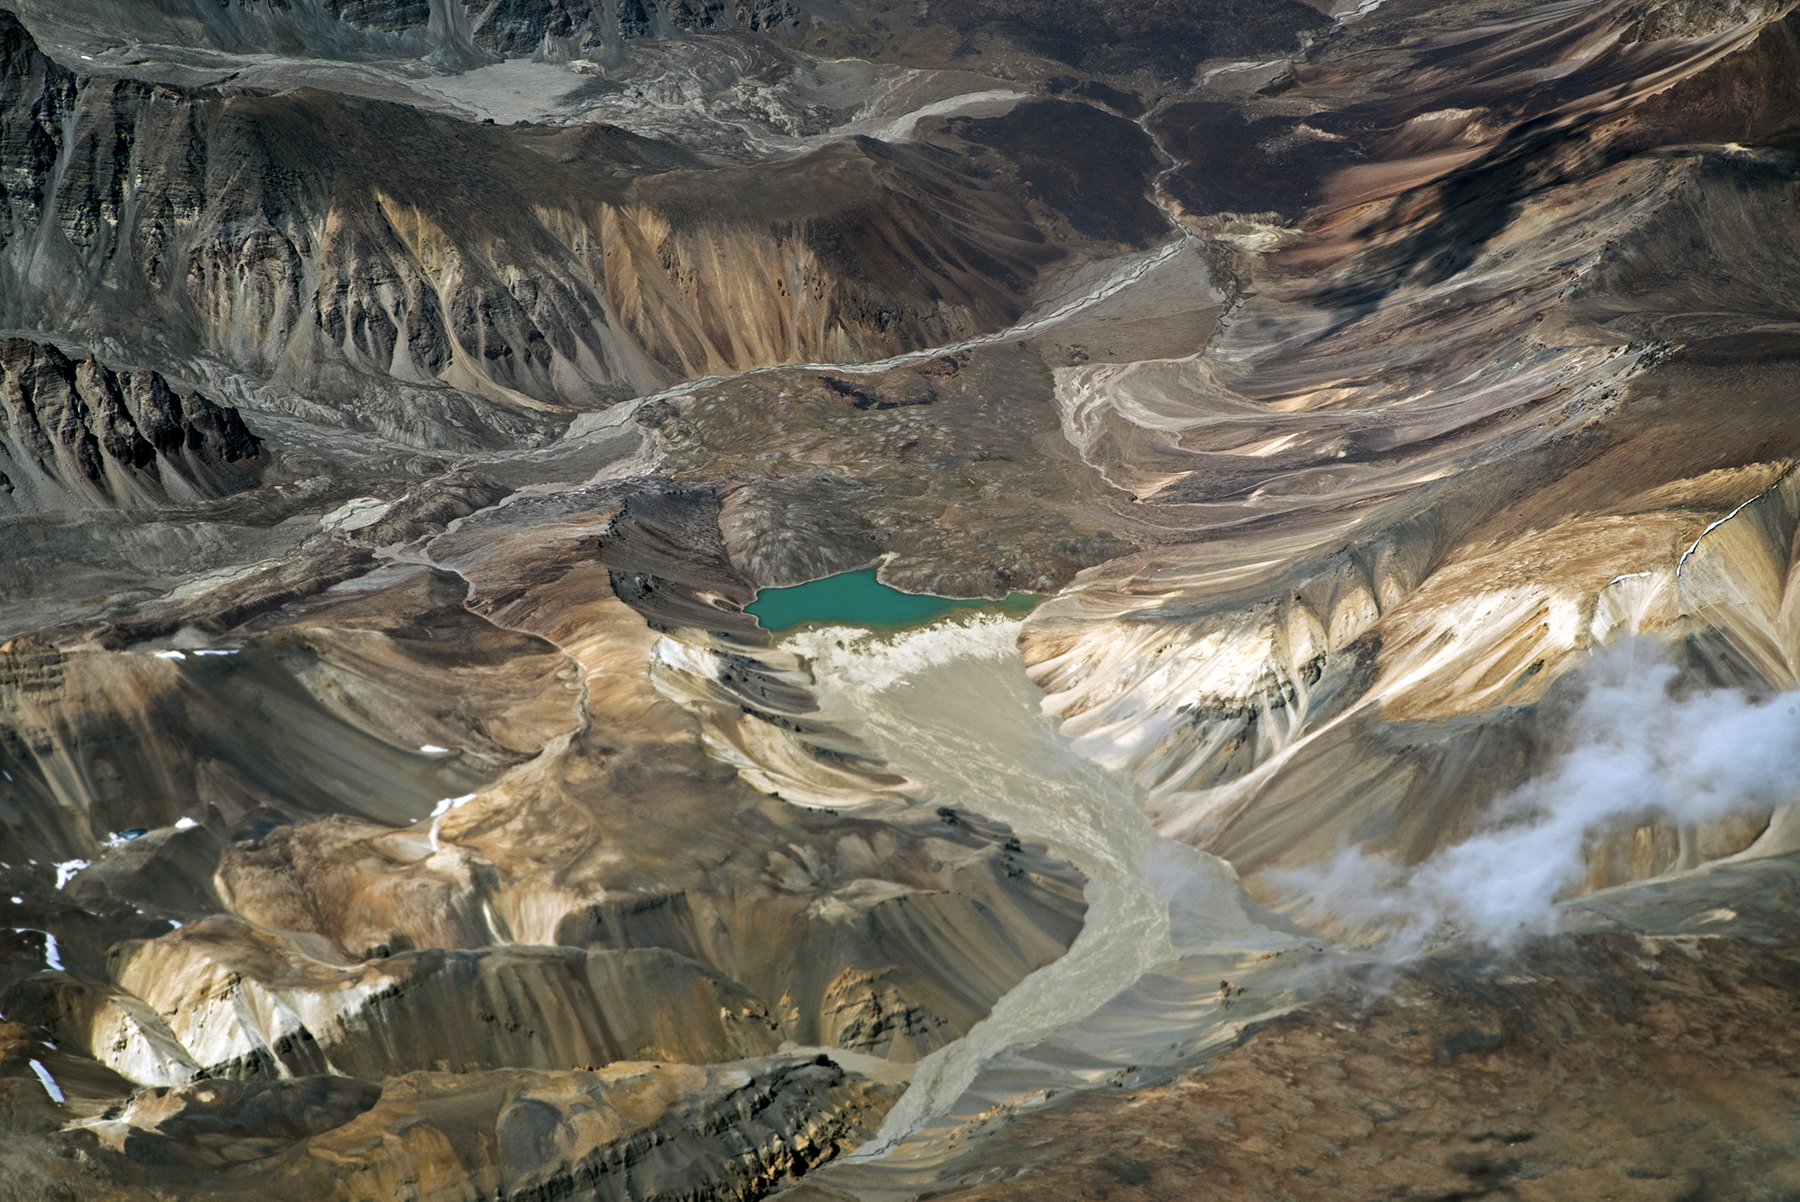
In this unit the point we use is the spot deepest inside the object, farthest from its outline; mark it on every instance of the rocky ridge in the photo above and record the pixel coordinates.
(548, 271)
(79, 435)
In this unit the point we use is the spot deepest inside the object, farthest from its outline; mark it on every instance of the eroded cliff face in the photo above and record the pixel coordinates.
(454, 284)
(444, 35)
(79, 435)
(434, 31)
(628, 1130)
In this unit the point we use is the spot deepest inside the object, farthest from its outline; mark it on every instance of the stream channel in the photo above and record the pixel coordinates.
(949, 705)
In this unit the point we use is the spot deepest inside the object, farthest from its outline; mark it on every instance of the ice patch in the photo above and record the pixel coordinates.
(870, 660)
(67, 869)
(444, 807)
(697, 661)
(433, 749)
(171, 655)
(1360, 10)
(1682, 562)
(990, 103)
(185, 824)
(1239, 67)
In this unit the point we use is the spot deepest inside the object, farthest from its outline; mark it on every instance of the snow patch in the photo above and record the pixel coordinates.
(43, 1074)
(52, 954)
(451, 803)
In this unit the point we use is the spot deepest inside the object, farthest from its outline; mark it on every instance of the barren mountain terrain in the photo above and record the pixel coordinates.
(1369, 433)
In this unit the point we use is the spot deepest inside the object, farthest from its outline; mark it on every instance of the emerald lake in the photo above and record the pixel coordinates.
(858, 599)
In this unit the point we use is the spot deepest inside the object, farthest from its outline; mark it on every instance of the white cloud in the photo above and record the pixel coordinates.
(1637, 747)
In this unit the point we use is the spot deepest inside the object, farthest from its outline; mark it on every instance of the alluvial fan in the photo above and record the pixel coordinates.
(1346, 456)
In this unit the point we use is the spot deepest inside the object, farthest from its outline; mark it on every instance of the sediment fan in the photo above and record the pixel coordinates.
(1391, 408)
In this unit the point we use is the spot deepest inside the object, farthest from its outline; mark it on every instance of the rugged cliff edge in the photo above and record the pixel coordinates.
(79, 435)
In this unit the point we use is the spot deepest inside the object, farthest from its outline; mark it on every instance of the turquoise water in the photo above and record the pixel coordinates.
(858, 599)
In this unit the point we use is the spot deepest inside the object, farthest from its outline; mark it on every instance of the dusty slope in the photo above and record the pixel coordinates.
(591, 889)
(1615, 1067)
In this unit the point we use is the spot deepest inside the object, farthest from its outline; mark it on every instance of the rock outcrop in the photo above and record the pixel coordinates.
(631, 1130)
(77, 435)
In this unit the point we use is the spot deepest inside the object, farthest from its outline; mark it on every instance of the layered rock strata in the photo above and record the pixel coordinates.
(630, 1130)
(590, 888)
